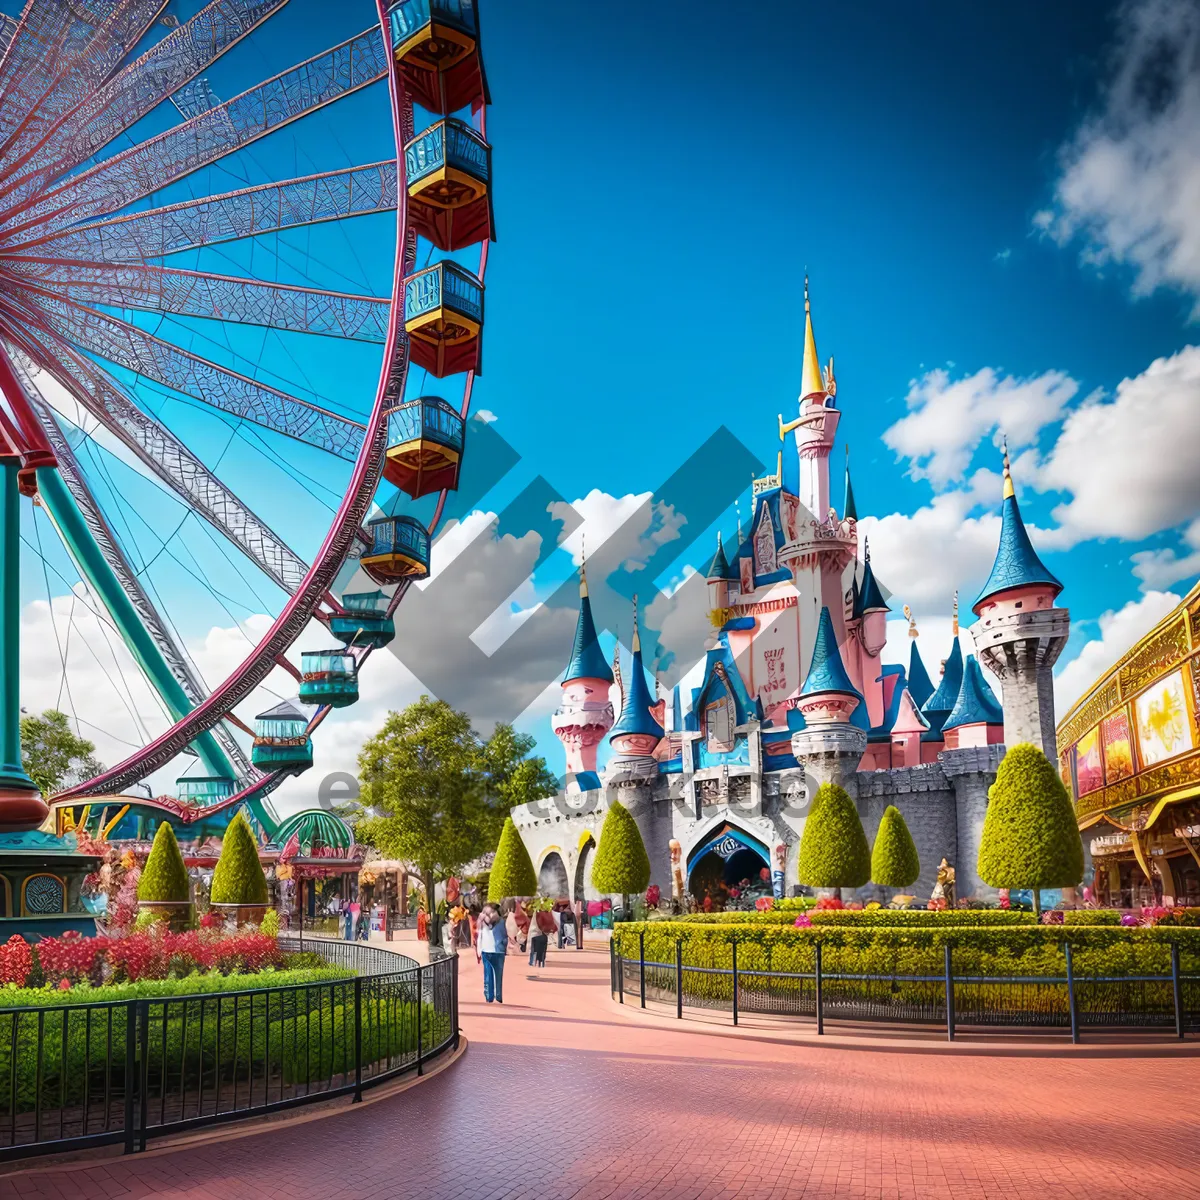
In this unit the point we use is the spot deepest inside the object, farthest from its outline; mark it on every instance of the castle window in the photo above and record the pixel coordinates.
(718, 723)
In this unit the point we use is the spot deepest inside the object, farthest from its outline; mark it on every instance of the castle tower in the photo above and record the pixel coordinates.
(585, 714)
(636, 735)
(872, 633)
(718, 577)
(1020, 634)
(976, 719)
(829, 745)
(920, 686)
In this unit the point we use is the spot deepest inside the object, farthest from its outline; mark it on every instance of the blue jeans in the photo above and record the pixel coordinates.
(493, 977)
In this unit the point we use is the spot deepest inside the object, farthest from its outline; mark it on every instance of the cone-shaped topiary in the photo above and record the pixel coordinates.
(894, 861)
(833, 848)
(621, 866)
(512, 872)
(239, 877)
(1030, 836)
(164, 877)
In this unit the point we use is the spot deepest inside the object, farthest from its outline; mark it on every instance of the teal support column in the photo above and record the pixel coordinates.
(93, 566)
(12, 772)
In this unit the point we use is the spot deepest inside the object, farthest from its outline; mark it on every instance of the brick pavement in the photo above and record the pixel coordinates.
(559, 1096)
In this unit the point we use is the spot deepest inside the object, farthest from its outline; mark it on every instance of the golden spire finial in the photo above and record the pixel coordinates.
(912, 622)
(811, 382)
(637, 640)
(956, 614)
(1009, 491)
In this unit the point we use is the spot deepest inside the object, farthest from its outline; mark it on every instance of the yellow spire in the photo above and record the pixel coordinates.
(811, 383)
(637, 641)
(1009, 491)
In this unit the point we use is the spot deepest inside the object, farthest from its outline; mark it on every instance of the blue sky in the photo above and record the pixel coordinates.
(988, 214)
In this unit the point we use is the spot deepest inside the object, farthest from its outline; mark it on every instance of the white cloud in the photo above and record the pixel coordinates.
(486, 416)
(1129, 182)
(948, 418)
(1161, 568)
(1129, 462)
(934, 643)
(1003, 255)
(1118, 631)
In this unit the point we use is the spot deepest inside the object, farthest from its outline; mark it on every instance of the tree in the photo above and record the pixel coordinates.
(53, 755)
(239, 878)
(421, 776)
(1030, 836)
(511, 776)
(512, 872)
(894, 860)
(833, 848)
(621, 866)
(164, 877)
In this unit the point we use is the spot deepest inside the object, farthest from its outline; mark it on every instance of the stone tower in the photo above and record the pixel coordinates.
(1020, 634)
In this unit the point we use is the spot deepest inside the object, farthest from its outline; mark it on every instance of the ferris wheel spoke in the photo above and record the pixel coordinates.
(217, 297)
(289, 204)
(136, 350)
(206, 138)
(74, 56)
(106, 541)
(141, 85)
(170, 460)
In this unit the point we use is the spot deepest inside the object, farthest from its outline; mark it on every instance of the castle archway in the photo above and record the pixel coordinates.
(724, 859)
(552, 876)
(583, 867)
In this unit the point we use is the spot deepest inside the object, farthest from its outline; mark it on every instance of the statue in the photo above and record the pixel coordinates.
(676, 869)
(777, 875)
(943, 889)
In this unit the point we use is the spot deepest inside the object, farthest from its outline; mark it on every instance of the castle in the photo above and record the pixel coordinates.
(794, 694)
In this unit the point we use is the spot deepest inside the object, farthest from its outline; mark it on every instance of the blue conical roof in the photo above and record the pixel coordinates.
(941, 704)
(920, 687)
(827, 674)
(849, 508)
(1017, 563)
(636, 716)
(872, 597)
(719, 568)
(587, 659)
(976, 701)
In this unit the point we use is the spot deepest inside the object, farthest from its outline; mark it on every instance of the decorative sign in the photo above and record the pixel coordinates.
(1162, 720)
(1118, 747)
(1110, 843)
(727, 847)
(1089, 770)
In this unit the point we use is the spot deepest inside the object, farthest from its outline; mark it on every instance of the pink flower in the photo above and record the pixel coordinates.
(64, 985)
(803, 921)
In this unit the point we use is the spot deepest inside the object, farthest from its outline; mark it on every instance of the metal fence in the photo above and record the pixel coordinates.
(78, 1075)
(1070, 1002)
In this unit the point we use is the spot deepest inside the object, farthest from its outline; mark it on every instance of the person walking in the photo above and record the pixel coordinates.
(543, 927)
(490, 948)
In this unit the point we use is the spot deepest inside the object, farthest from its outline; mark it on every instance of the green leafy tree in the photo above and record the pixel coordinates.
(422, 781)
(512, 872)
(621, 866)
(164, 878)
(53, 755)
(239, 878)
(833, 848)
(894, 860)
(1030, 836)
(511, 776)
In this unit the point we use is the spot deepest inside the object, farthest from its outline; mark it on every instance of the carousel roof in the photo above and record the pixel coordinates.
(316, 830)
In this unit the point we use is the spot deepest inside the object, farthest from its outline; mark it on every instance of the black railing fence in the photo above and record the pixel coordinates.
(79, 1075)
(1070, 1002)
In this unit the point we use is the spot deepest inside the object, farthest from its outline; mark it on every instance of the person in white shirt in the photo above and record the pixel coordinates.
(490, 950)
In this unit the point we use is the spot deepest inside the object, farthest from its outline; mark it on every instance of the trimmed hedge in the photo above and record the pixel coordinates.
(238, 877)
(877, 918)
(621, 866)
(512, 871)
(894, 860)
(1030, 835)
(833, 847)
(1092, 916)
(164, 877)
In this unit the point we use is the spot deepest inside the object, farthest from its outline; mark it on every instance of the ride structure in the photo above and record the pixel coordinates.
(116, 327)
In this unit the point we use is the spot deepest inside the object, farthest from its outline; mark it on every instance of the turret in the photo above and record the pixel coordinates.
(874, 608)
(941, 704)
(849, 508)
(1020, 633)
(830, 746)
(585, 713)
(976, 719)
(635, 737)
(718, 577)
(920, 686)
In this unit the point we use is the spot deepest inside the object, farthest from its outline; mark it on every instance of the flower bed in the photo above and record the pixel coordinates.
(880, 918)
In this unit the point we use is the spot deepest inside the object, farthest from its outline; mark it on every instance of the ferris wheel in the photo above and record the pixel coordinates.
(239, 242)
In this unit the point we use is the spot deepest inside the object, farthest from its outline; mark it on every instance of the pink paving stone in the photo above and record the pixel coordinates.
(561, 1096)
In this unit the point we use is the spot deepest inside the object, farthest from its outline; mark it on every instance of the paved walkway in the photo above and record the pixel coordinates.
(560, 1096)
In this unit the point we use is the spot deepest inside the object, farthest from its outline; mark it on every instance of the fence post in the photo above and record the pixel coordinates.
(143, 1073)
(679, 979)
(130, 1074)
(454, 999)
(358, 1019)
(1071, 995)
(820, 1008)
(620, 977)
(949, 995)
(642, 966)
(420, 1034)
(1177, 989)
(735, 982)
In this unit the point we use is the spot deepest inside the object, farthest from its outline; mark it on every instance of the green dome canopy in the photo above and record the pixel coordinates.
(318, 833)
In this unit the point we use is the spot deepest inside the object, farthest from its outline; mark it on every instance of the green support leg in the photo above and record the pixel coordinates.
(92, 565)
